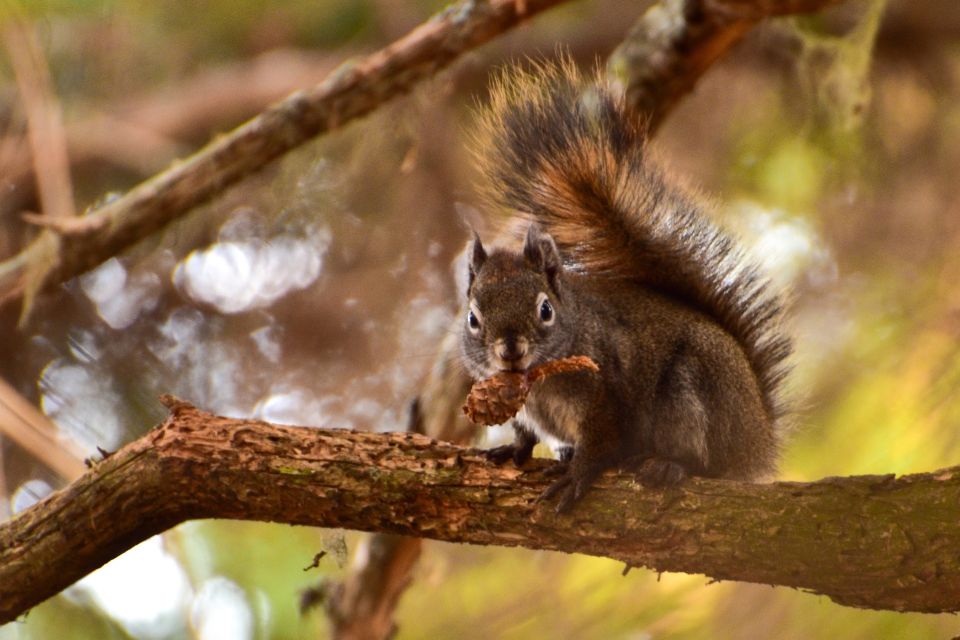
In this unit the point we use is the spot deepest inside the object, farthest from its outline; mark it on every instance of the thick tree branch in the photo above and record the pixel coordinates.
(64, 251)
(869, 541)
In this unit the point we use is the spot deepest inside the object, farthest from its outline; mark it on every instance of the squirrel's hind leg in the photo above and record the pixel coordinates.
(680, 424)
(660, 472)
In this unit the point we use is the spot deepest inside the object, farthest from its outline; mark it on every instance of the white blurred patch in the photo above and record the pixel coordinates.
(28, 494)
(786, 246)
(82, 404)
(83, 346)
(370, 410)
(425, 320)
(236, 275)
(221, 611)
(145, 590)
(499, 434)
(294, 407)
(118, 298)
(793, 255)
(208, 369)
(267, 340)
(496, 434)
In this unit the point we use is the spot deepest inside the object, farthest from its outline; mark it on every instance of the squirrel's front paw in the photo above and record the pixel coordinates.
(499, 455)
(659, 473)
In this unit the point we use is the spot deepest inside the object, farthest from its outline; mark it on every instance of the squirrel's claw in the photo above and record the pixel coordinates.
(561, 484)
(567, 486)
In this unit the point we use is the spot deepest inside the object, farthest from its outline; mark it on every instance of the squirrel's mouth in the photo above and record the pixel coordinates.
(511, 366)
(512, 369)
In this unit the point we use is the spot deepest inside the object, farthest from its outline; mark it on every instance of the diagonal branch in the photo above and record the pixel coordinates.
(868, 541)
(351, 91)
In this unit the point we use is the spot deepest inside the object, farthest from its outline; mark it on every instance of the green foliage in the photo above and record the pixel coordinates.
(59, 617)
(267, 561)
(515, 593)
(229, 29)
(834, 70)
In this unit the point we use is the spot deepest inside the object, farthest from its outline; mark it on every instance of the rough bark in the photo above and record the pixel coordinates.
(869, 541)
(67, 249)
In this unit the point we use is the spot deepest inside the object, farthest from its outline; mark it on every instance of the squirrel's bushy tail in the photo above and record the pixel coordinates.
(571, 156)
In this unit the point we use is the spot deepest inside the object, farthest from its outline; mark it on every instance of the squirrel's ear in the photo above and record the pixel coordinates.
(541, 252)
(478, 255)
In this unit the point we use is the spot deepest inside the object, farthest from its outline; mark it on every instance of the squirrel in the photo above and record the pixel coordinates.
(620, 265)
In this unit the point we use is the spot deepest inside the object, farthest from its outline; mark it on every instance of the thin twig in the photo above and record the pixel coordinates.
(24, 424)
(48, 145)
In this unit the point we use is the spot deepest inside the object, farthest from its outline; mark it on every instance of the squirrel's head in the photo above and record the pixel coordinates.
(515, 309)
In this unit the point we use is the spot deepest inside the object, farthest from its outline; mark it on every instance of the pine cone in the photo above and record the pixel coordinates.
(499, 397)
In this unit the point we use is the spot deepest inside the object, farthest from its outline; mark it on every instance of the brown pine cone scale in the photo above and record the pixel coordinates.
(499, 397)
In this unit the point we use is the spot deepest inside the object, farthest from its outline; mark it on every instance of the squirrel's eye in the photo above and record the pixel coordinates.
(546, 311)
(473, 321)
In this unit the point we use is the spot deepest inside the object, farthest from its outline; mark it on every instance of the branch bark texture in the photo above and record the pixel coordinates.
(870, 541)
(71, 248)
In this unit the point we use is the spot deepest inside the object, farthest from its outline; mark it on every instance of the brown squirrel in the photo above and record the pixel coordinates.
(624, 267)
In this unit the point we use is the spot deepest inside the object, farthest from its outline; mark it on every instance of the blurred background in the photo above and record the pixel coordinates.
(317, 292)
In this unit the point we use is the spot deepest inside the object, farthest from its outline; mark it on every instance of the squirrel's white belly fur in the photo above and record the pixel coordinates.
(552, 417)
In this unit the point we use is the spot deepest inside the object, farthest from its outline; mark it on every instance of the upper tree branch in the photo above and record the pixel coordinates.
(869, 541)
(67, 250)
(676, 41)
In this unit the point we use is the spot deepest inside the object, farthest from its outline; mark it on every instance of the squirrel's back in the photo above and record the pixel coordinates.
(571, 156)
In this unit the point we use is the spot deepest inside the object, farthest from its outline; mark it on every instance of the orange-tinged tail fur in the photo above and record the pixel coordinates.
(569, 155)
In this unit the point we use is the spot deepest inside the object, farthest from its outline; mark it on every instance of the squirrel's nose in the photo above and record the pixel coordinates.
(511, 349)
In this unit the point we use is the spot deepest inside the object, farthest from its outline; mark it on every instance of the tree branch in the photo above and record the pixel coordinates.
(889, 543)
(350, 92)
(676, 41)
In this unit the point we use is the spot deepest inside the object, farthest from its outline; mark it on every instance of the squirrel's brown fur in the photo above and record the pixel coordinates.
(570, 156)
